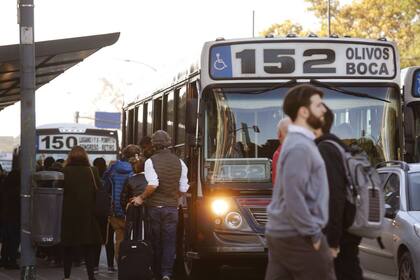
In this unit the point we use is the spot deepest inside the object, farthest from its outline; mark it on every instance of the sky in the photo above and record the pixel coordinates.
(159, 38)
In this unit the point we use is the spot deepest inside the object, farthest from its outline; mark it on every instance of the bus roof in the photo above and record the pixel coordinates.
(66, 125)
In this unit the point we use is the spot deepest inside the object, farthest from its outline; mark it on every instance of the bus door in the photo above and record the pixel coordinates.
(411, 92)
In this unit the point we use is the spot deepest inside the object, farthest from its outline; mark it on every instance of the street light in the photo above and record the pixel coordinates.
(137, 62)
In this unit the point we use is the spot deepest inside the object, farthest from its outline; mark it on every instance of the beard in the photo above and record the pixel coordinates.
(314, 121)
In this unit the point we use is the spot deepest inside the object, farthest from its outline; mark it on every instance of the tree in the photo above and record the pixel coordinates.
(396, 20)
(287, 27)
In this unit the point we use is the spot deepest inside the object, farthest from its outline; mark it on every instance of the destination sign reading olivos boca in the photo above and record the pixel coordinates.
(302, 59)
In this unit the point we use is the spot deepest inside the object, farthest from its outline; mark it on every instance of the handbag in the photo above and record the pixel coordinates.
(102, 200)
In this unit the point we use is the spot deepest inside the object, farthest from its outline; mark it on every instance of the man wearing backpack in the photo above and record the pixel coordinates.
(343, 245)
(115, 178)
(299, 207)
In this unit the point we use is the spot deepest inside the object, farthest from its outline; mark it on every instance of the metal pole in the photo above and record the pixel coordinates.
(253, 23)
(329, 18)
(27, 154)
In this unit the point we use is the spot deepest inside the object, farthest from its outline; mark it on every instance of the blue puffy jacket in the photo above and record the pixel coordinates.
(116, 176)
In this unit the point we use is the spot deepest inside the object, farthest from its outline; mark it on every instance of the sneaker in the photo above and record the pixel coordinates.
(166, 277)
(111, 269)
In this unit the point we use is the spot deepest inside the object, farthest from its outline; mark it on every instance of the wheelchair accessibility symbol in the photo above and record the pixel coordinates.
(219, 64)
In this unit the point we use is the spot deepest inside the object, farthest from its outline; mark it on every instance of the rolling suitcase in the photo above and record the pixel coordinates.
(136, 255)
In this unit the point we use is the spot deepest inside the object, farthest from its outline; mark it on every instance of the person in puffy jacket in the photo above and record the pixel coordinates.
(115, 178)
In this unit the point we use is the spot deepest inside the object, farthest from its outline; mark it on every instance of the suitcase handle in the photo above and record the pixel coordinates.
(135, 223)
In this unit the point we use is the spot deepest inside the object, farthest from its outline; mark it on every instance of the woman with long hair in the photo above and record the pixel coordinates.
(80, 228)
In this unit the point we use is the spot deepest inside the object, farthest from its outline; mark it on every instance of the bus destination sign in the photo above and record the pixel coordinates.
(64, 142)
(302, 59)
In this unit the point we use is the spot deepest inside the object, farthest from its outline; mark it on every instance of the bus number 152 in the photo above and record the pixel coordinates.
(285, 63)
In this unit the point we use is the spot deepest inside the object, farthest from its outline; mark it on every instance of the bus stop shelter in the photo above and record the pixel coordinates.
(19, 66)
(52, 59)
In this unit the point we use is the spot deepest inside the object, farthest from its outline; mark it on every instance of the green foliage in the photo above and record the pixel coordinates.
(396, 20)
(284, 28)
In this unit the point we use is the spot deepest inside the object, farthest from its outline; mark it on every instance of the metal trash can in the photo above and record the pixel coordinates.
(47, 207)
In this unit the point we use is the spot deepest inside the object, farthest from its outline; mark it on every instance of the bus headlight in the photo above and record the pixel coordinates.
(220, 207)
(233, 220)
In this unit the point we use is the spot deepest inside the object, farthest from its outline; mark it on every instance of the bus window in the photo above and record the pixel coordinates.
(125, 129)
(241, 128)
(135, 127)
(180, 117)
(148, 118)
(157, 114)
(140, 114)
(130, 124)
(170, 114)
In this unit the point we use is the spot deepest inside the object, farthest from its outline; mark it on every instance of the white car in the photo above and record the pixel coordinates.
(400, 259)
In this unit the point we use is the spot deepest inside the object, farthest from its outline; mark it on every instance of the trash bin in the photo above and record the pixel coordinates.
(47, 207)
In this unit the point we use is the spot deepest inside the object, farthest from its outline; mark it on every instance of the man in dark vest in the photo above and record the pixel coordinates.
(166, 176)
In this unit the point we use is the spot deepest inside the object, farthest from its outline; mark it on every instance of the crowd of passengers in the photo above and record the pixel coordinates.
(147, 174)
(308, 216)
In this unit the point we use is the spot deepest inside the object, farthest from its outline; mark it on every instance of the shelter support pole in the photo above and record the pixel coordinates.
(27, 153)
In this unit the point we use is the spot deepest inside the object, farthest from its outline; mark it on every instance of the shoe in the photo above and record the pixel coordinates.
(95, 270)
(166, 277)
(111, 269)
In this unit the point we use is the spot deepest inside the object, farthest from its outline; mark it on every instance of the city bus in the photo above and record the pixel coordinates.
(410, 85)
(56, 140)
(222, 115)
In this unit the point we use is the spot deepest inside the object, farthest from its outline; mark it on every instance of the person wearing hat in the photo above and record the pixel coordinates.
(166, 176)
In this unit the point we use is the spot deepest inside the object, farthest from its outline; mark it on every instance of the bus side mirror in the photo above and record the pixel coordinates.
(390, 212)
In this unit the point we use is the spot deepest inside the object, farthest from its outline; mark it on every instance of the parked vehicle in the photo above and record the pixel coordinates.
(400, 259)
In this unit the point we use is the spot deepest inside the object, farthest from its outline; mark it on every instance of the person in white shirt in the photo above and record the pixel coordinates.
(167, 179)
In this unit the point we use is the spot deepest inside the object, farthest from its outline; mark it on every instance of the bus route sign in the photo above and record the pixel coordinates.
(300, 59)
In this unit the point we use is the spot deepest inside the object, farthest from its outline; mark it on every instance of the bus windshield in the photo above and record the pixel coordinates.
(241, 133)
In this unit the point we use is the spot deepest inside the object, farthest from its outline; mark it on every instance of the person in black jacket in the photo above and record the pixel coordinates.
(343, 245)
(136, 184)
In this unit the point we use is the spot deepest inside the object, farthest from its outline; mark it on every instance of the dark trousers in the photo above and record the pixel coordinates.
(10, 245)
(294, 258)
(347, 265)
(163, 224)
(69, 253)
(107, 233)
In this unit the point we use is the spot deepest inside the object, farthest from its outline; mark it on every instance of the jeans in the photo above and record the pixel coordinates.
(163, 224)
